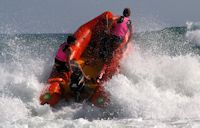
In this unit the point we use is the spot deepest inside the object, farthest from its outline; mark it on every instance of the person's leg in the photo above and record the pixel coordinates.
(105, 47)
(77, 96)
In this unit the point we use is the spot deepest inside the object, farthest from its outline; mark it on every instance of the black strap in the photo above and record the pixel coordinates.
(120, 20)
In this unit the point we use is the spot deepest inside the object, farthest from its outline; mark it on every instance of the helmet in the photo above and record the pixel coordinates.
(71, 39)
(127, 12)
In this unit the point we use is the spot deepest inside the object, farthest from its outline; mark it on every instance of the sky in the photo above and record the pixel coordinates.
(65, 16)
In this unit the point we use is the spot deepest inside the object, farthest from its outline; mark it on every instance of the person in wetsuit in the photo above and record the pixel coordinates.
(119, 29)
(63, 55)
(77, 80)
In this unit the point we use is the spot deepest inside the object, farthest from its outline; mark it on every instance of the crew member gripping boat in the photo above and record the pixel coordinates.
(86, 54)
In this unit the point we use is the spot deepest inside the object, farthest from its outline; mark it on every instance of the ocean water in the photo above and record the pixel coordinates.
(158, 85)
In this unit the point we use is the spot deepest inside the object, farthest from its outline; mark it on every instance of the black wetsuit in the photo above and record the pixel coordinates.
(75, 85)
(61, 66)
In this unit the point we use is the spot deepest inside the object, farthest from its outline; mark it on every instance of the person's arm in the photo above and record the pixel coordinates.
(130, 27)
(86, 77)
(68, 53)
(114, 22)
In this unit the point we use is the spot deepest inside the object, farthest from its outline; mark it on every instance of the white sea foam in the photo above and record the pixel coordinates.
(150, 91)
(158, 87)
(193, 33)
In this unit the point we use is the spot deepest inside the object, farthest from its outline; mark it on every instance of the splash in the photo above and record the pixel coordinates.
(157, 86)
(193, 33)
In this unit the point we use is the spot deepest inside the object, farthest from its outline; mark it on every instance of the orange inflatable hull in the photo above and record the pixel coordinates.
(85, 52)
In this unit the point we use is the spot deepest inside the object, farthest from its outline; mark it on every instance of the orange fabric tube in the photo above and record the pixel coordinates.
(85, 32)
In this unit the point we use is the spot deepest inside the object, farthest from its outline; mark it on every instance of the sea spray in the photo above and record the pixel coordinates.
(157, 85)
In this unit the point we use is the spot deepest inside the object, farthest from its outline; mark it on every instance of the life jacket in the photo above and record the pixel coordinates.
(120, 29)
(61, 55)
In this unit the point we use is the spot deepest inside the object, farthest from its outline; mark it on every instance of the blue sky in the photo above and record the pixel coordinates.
(54, 16)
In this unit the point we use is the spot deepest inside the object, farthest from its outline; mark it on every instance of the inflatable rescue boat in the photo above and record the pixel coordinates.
(86, 53)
